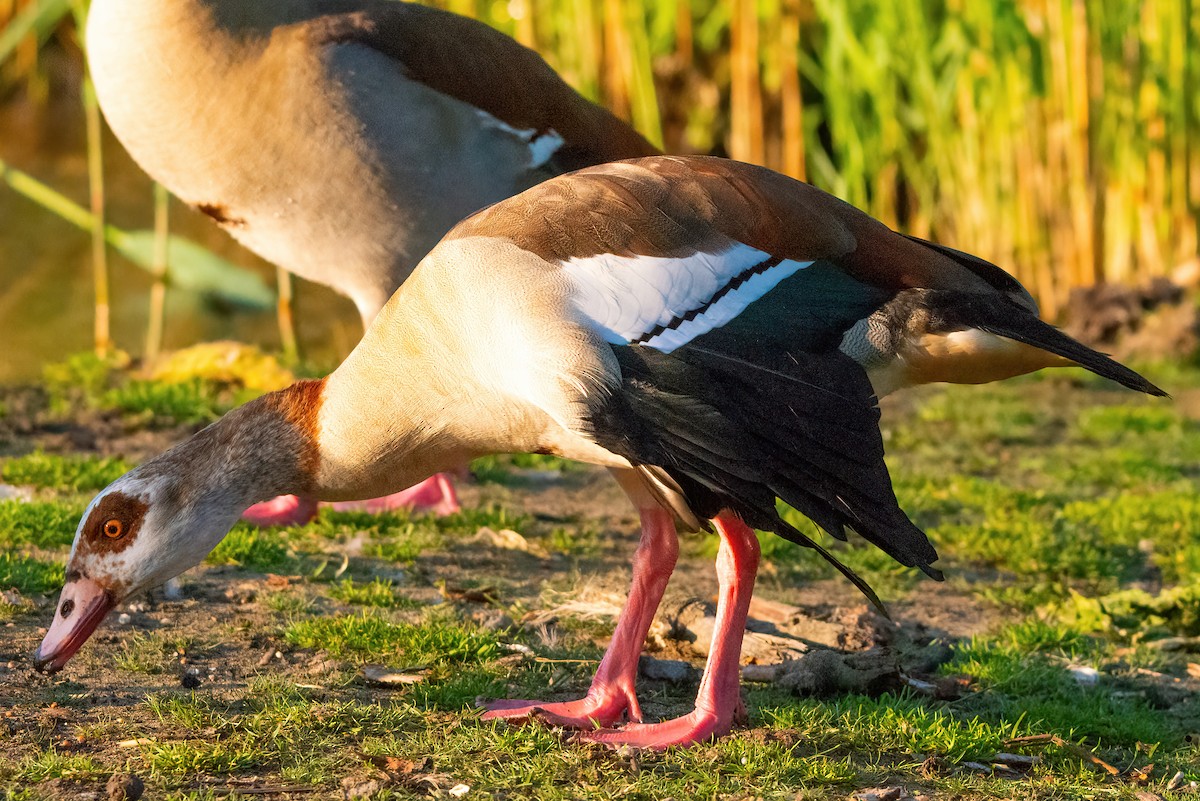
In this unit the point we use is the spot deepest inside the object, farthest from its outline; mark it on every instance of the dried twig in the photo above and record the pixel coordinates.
(1054, 739)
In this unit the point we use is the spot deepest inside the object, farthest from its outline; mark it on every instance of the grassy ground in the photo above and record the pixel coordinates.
(1065, 511)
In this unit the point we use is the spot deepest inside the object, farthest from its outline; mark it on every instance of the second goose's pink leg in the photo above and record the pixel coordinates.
(285, 510)
(719, 699)
(435, 495)
(613, 689)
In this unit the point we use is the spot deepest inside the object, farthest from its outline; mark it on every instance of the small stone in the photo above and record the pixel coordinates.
(673, 670)
(1084, 676)
(1177, 781)
(822, 673)
(173, 590)
(492, 620)
(880, 794)
(11, 493)
(385, 676)
(459, 790)
(761, 674)
(124, 619)
(355, 787)
(190, 682)
(920, 685)
(506, 539)
(124, 787)
(1022, 762)
(137, 743)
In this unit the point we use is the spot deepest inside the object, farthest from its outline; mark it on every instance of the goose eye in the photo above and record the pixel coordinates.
(114, 529)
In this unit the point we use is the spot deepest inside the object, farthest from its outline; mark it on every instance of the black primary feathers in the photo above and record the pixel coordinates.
(738, 434)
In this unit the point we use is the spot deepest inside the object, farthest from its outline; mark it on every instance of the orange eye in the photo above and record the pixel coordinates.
(114, 529)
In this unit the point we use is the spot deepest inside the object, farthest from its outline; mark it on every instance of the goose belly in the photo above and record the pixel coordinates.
(332, 165)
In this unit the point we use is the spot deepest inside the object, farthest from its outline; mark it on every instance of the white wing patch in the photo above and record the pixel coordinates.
(664, 303)
(542, 145)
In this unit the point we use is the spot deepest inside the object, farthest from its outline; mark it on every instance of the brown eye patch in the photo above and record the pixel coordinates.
(113, 525)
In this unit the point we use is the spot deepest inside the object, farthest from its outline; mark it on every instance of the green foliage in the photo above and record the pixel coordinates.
(253, 549)
(199, 756)
(192, 267)
(86, 382)
(1136, 613)
(51, 765)
(196, 268)
(515, 468)
(78, 473)
(193, 401)
(378, 592)
(290, 603)
(28, 575)
(81, 381)
(1020, 679)
(150, 653)
(44, 525)
(374, 637)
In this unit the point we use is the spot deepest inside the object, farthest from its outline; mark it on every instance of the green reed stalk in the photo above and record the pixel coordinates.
(158, 269)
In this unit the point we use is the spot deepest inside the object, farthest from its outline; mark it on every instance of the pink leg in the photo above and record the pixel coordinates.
(435, 494)
(612, 691)
(286, 510)
(719, 700)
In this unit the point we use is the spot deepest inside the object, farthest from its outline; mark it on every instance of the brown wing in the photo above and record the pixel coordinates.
(480, 66)
(675, 206)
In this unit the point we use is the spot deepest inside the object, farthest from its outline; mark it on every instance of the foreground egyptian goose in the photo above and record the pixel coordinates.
(338, 139)
(707, 329)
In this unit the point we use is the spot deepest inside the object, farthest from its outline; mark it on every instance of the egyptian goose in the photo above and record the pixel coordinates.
(338, 139)
(693, 324)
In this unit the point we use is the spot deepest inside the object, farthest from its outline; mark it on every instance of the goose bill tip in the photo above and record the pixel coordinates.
(86, 604)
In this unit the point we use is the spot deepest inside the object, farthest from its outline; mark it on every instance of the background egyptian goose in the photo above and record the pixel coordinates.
(338, 139)
(685, 322)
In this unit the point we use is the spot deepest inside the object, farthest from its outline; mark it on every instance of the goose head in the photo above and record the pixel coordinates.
(165, 516)
(139, 532)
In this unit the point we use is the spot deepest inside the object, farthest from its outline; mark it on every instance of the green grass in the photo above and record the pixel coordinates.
(193, 401)
(76, 473)
(253, 549)
(1135, 614)
(41, 524)
(85, 382)
(51, 765)
(1061, 510)
(151, 653)
(1022, 681)
(373, 637)
(377, 592)
(29, 576)
(514, 468)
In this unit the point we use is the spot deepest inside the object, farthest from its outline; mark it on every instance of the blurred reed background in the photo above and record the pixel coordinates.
(1057, 138)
